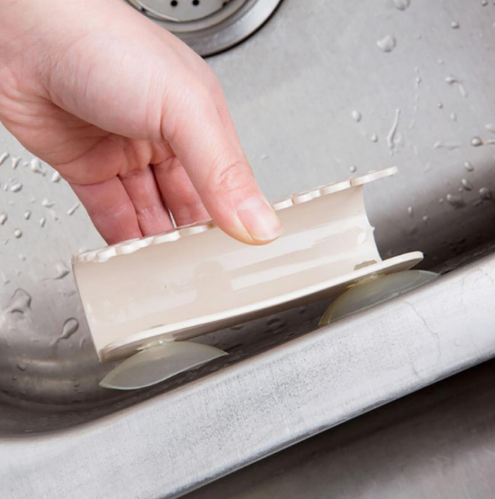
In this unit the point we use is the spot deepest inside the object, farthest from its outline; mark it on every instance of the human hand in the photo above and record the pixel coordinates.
(132, 118)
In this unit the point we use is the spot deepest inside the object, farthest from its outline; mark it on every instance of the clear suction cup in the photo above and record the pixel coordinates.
(375, 290)
(159, 362)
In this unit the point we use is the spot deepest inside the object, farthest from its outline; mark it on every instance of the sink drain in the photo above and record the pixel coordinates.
(208, 26)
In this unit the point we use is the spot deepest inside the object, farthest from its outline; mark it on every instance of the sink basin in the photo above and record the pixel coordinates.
(324, 101)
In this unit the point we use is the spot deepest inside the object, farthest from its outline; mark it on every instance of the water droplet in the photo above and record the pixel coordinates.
(20, 302)
(455, 25)
(36, 166)
(476, 142)
(47, 203)
(18, 233)
(3, 218)
(16, 186)
(402, 4)
(427, 167)
(27, 215)
(374, 137)
(237, 327)
(484, 3)
(486, 194)
(15, 163)
(466, 184)
(71, 211)
(352, 169)
(468, 166)
(22, 366)
(356, 116)
(410, 210)
(55, 177)
(490, 127)
(393, 131)
(3, 157)
(440, 200)
(426, 218)
(71, 325)
(446, 145)
(451, 80)
(387, 44)
(42, 222)
(453, 116)
(440, 105)
(455, 201)
(62, 271)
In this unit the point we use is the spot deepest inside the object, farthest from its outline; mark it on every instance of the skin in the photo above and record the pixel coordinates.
(134, 120)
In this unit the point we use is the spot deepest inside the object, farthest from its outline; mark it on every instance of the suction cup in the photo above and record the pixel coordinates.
(374, 290)
(159, 362)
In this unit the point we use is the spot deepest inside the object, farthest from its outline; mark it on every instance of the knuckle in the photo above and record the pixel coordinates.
(212, 83)
(176, 117)
(235, 176)
(117, 212)
(168, 166)
(190, 199)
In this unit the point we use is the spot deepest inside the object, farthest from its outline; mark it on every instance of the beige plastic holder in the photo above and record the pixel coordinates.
(196, 279)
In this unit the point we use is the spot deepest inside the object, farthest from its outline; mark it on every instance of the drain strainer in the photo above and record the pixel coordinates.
(208, 26)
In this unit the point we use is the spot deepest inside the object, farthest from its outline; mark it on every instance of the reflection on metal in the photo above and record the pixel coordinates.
(208, 26)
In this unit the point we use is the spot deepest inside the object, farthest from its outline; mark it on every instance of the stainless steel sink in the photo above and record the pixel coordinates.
(437, 442)
(292, 88)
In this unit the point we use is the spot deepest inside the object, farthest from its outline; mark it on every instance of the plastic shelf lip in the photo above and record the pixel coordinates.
(127, 247)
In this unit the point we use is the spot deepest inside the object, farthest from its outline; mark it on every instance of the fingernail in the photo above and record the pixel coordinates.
(259, 219)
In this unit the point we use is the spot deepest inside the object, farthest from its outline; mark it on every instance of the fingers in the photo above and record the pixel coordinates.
(151, 213)
(110, 209)
(217, 168)
(180, 195)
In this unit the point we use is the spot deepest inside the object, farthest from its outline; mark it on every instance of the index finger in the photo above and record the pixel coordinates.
(217, 166)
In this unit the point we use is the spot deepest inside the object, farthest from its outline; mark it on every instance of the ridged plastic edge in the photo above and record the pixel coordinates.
(127, 247)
